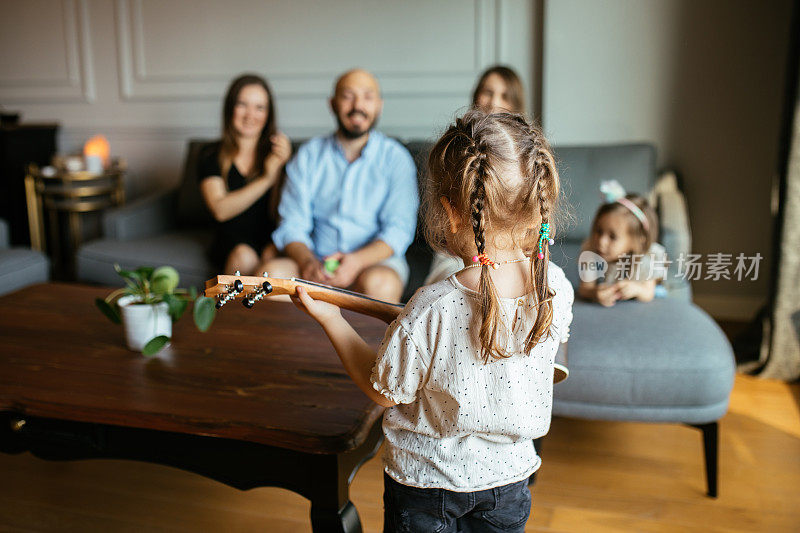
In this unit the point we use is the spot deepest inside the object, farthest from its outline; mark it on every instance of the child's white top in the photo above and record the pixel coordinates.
(461, 425)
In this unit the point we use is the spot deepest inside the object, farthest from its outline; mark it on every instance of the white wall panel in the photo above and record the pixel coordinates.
(416, 47)
(46, 51)
(152, 74)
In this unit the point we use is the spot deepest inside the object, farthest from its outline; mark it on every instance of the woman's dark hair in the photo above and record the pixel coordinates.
(514, 90)
(230, 146)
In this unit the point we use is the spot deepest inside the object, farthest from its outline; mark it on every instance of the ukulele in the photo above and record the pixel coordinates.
(255, 288)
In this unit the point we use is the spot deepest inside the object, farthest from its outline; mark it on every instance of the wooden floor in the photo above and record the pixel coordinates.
(596, 476)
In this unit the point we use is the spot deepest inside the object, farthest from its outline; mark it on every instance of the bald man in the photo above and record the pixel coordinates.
(349, 207)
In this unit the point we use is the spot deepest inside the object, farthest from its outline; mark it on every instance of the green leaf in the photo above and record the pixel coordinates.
(176, 306)
(204, 313)
(132, 279)
(165, 280)
(145, 272)
(193, 292)
(108, 310)
(154, 345)
(130, 274)
(134, 287)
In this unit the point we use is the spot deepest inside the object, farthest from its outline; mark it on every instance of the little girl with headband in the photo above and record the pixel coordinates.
(466, 370)
(623, 234)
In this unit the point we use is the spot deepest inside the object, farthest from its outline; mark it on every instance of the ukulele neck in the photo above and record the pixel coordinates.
(352, 301)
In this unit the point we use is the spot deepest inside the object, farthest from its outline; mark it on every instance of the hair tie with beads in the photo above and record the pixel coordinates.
(544, 236)
(483, 259)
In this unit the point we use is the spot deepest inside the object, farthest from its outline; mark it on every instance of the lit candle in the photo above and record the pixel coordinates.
(96, 151)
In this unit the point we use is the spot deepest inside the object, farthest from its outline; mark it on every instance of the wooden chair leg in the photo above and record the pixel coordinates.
(710, 448)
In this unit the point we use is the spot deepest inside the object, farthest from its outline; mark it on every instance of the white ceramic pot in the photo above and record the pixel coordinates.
(143, 322)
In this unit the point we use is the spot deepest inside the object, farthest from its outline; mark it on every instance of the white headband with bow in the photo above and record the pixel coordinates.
(613, 191)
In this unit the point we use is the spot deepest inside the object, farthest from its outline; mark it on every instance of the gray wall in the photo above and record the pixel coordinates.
(703, 80)
(151, 74)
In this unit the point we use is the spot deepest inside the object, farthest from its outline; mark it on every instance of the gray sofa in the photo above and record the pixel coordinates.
(20, 267)
(173, 227)
(664, 361)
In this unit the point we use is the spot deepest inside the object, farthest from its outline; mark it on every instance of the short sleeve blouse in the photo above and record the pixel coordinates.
(461, 424)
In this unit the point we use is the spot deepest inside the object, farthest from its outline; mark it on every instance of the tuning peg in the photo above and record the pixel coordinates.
(232, 292)
(257, 295)
(224, 299)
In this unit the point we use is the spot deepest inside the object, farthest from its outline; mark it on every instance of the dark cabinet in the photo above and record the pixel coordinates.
(20, 145)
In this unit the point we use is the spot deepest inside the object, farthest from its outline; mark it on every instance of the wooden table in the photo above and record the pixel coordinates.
(261, 399)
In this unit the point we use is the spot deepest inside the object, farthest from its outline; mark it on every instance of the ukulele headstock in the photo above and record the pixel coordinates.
(250, 288)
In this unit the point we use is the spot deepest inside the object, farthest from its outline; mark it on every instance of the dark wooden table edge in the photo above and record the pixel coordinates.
(324, 479)
(315, 444)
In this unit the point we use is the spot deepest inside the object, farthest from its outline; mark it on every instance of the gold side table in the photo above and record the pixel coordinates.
(68, 196)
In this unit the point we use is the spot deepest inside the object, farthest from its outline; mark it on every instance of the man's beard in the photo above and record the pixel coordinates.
(355, 134)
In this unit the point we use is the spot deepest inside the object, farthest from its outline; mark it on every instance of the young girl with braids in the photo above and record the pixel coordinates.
(499, 89)
(466, 370)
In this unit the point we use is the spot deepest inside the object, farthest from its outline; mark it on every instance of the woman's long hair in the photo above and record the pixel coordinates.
(229, 146)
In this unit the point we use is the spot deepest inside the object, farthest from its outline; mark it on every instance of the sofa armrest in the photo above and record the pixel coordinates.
(5, 240)
(143, 218)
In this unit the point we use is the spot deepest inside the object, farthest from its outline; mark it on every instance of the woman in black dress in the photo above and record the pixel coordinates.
(240, 177)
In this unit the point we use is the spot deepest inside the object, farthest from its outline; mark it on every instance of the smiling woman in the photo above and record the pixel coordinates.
(240, 176)
(499, 89)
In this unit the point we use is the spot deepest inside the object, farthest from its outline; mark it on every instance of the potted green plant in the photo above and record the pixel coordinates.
(148, 305)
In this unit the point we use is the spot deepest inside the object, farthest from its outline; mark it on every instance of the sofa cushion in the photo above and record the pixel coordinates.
(582, 168)
(20, 267)
(665, 361)
(184, 250)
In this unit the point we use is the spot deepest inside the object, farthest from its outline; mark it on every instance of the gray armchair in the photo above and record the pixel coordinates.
(20, 267)
(663, 361)
(168, 228)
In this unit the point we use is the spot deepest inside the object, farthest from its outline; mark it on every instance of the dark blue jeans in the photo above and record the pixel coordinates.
(413, 510)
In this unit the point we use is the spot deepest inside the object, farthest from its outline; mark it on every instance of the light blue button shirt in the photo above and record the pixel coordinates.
(331, 205)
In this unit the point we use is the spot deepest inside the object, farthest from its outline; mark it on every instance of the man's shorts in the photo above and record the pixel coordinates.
(398, 264)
